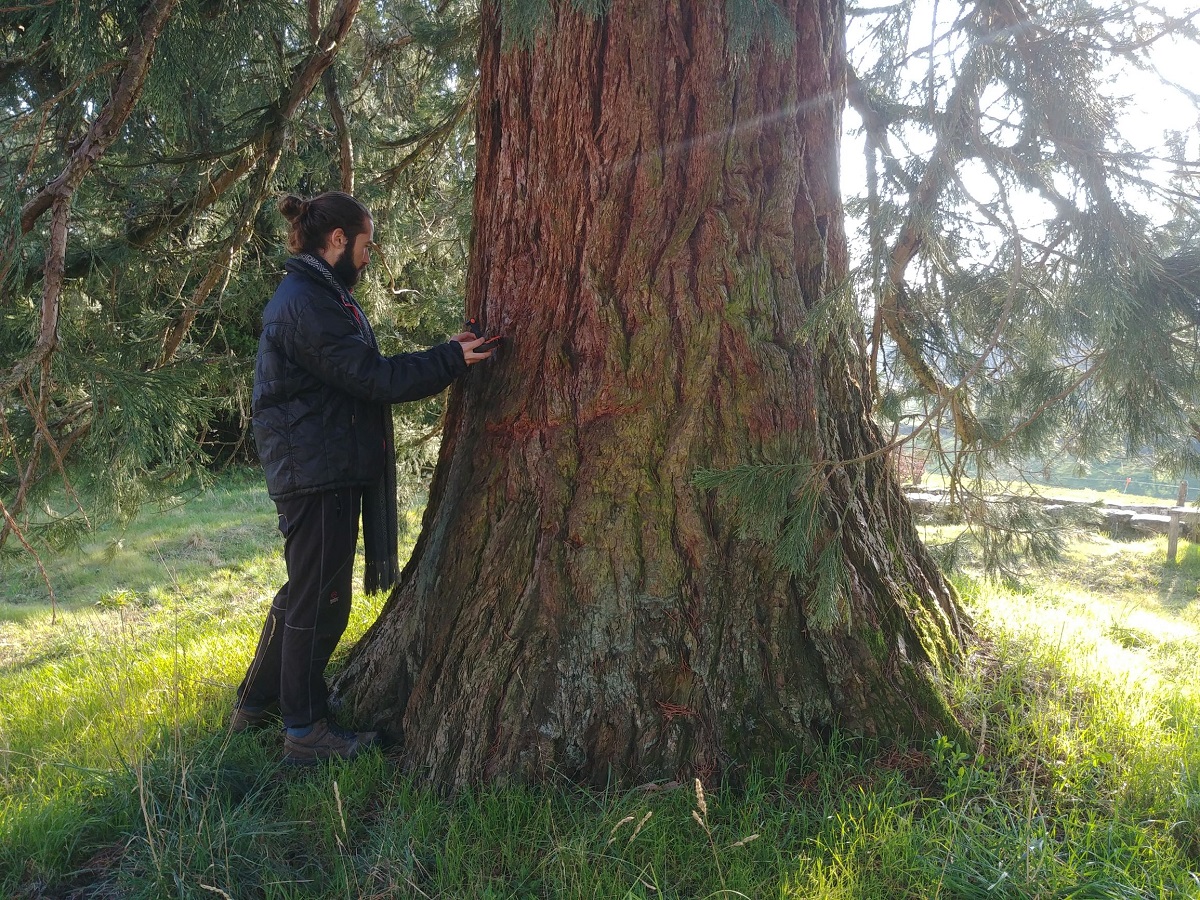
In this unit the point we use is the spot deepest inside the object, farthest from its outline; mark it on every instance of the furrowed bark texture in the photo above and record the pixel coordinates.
(655, 225)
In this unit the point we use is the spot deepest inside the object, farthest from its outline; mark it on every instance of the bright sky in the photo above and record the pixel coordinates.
(1159, 103)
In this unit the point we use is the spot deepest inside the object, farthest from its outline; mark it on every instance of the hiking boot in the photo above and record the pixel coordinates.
(248, 718)
(326, 740)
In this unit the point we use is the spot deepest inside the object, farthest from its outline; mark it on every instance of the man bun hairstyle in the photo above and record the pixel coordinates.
(312, 220)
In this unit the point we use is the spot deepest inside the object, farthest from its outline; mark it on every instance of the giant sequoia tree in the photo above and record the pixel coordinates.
(659, 234)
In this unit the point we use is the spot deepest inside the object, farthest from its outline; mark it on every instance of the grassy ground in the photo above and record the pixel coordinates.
(117, 778)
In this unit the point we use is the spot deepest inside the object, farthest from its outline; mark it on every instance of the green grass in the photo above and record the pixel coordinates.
(117, 778)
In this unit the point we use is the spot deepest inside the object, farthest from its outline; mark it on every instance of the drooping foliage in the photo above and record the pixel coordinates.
(139, 236)
(1029, 232)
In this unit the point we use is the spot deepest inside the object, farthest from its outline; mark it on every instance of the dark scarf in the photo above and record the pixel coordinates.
(380, 524)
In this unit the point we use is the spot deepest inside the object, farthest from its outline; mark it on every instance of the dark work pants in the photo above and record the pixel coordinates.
(311, 610)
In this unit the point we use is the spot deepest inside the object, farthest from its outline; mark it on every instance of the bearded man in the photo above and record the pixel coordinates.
(323, 426)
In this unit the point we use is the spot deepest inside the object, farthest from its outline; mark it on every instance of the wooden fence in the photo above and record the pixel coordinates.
(1116, 517)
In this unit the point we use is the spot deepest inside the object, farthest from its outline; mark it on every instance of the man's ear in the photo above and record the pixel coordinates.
(337, 238)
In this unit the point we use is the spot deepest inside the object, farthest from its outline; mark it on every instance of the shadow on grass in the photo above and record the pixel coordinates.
(143, 561)
(1180, 584)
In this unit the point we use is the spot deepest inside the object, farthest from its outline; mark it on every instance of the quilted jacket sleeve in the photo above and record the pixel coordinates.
(326, 341)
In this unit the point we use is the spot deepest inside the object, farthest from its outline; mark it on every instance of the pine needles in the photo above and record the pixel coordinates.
(782, 506)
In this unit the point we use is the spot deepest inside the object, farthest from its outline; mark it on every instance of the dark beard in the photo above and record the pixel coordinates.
(344, 269)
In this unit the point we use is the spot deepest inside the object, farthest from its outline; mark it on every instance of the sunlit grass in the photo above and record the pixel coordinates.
(118, 778)
(155, 624)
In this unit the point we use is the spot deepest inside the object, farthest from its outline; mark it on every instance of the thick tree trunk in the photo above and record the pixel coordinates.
(658, 226)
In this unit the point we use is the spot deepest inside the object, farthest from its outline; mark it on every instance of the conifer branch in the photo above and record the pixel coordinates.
(875, 123)
(336, 111)
(43, 108)
(273, 121)
(57, 196)
(317, 66)
(959, 121)
(219, 270)
(1085, 157)
(1066, 392)
(238, 161)
(107, 126)
(16, 63)
(426, 140)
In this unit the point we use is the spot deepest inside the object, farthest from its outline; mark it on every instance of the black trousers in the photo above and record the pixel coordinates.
(311, 610)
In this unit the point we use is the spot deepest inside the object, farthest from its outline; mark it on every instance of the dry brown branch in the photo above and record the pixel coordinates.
(10, 525)
(221, 267)
(38, 410)
(47, 338)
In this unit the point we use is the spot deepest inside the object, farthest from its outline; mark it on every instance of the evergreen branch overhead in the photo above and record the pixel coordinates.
(427, 140)
(105, 129)
(235, 162)
(1092, 294)
(271, 123)
(141, 264)
(221, 268)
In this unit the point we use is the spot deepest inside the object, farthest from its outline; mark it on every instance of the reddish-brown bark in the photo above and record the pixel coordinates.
(657, 225)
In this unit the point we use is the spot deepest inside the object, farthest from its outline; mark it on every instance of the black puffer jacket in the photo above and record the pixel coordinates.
(322, 390)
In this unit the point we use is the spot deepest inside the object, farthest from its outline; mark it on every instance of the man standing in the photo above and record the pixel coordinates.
(322, 423)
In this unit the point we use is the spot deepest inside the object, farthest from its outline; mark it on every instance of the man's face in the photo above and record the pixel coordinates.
(354, 256)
